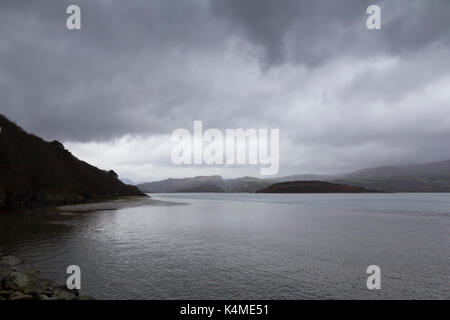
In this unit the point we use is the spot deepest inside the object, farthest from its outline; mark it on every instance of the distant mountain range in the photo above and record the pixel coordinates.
(209, 183)
(427, 169)
(429, 177)
(34, 171)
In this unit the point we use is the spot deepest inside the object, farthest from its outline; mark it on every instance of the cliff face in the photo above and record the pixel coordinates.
(33, 172)
(311, 187)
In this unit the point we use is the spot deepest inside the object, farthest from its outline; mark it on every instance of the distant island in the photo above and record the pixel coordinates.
(312, 187)
(35, 172)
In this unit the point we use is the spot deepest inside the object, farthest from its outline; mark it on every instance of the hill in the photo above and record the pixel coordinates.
(307, 177)
(175, 185)
(35, 172)
(428, 177)
(311, 187)
(247, 184)
(204, 188)
(426, 169)
(244, 184)
(426, 183)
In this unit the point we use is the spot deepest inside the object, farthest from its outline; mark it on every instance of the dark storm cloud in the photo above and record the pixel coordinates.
(311, 68)
(313, 31)
(114, 76)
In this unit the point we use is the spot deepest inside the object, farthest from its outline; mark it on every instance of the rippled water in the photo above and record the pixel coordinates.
(245, 246)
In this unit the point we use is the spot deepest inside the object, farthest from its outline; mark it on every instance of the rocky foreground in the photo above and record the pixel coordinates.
(19, 282)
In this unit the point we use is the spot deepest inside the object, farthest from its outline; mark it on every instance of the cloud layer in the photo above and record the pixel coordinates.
(342, 96)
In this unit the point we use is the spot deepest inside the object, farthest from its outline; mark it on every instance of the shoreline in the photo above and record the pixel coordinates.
(120, 203)
(93, 205)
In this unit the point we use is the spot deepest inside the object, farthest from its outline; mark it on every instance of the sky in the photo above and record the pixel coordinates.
(343, 97)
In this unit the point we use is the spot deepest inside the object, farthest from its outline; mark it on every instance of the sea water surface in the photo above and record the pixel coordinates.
(245, 246)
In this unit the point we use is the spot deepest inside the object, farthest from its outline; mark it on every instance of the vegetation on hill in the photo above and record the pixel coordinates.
(311, 187)
(34, 172)
(175, 185)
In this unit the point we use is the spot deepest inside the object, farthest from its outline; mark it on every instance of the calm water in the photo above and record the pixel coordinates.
(246, 246)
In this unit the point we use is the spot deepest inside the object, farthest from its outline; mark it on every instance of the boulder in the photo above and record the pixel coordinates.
(75, 292)
(16, 281)
(20, 296)
(10, 261)
(84, 298)
(4, 272)
(28, 282)
(5, 293)
(45, 297)
(60, 294)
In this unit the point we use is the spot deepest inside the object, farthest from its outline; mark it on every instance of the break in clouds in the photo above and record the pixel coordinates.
(343, 97)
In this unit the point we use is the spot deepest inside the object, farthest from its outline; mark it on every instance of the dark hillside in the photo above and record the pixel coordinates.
(311, 187)
(33, 171)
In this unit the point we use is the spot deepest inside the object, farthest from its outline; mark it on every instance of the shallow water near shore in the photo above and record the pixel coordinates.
(243, 246)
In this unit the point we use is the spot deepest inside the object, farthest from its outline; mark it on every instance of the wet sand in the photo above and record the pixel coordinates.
(124, 202)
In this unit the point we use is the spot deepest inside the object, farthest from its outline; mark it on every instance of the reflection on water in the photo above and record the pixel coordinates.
(244, 246)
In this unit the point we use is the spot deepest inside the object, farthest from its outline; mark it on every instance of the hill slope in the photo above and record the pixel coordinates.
(204, 188)
(33, 171)
(427, 177)
(175, 185)
(427, 183)
(243, 184)
(311, 187)
(426, 169)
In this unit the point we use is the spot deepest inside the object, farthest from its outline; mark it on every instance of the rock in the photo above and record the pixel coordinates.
(10, 261)
(84, 298)
(29, 282)
(5, 293)
(20, 296)
(15, 281)
(4, 272)
(75, 292)
(60, 294)
(45, 297)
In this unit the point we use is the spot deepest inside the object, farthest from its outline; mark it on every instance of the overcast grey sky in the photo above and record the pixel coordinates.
(343, 97)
